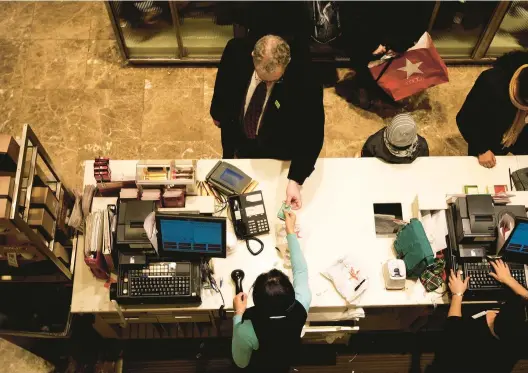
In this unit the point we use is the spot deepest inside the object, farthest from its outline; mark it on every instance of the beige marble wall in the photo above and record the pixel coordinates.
(60, 71)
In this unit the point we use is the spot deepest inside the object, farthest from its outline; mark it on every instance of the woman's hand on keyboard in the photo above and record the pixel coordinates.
(456, 284)
(502, 272)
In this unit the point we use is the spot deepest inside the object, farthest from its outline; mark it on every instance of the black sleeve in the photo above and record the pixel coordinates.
(474, 116)
(224, 74)
(367, 150)
(310, 131)
(221, 95)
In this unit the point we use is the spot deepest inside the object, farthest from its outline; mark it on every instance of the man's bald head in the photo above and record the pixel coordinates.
(271, 56)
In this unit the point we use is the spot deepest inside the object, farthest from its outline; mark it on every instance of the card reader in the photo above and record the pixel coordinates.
(228, 179)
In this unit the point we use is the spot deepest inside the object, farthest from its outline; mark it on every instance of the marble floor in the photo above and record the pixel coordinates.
(60, 71)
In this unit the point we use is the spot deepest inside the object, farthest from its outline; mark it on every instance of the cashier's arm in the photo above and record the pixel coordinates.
(300, 269)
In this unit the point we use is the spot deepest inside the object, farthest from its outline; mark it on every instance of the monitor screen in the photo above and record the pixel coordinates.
(231, 177)
(191, 236)
(518, 240)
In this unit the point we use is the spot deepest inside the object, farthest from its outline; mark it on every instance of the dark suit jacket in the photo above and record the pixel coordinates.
(292, 125)
(488, 113)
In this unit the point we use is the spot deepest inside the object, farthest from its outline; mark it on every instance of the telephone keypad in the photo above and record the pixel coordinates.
(258, 226)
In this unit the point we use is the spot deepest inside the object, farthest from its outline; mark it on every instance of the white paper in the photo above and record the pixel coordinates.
(435, 226)
(254, 210)
(254, 198)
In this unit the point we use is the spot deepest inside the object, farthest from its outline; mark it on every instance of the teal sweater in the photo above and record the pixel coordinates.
(244, 337)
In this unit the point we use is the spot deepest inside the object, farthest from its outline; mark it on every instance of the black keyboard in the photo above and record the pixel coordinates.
(480, 278)
(160, 279)
(159, 283)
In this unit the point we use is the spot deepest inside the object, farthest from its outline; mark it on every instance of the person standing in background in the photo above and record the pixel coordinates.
(371, 29)
(268, 104)
(493, 118)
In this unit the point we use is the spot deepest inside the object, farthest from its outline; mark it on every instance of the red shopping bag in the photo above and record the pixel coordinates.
(419, 68)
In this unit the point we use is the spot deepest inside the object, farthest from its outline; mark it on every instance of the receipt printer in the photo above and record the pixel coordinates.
(131, 236)
(394, 274)
(475, 217)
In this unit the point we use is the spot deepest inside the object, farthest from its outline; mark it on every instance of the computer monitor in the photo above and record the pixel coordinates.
(515, 249)
(191, 237)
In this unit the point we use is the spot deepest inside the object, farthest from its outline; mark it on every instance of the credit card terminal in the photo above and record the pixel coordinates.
(248, 214)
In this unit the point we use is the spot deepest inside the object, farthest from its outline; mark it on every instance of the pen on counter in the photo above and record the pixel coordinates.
(361, 283)
(511, 185)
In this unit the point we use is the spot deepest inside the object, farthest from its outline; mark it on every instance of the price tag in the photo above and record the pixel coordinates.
(12, 259)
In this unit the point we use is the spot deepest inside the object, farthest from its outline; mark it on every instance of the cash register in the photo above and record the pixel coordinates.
(173, 276)
(472, 226)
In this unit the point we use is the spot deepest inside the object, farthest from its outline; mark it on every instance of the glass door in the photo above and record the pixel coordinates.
(458, 26)
(513, 31)
(146, 28)
(205, 27)
(173, 30)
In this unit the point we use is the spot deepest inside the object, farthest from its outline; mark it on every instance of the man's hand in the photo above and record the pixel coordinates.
(502, 272)
(289, 219)
(240, 303)
(380, 50)
(293, 195)
(456, 285)
(216, 123)
(487, 159)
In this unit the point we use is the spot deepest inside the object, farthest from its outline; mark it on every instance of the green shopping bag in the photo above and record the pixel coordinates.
(413, 247)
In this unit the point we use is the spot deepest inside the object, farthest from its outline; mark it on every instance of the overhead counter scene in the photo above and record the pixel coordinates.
(263, 186)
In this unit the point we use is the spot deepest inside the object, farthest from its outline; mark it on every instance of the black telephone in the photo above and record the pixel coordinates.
(520, 179)
(248, 214)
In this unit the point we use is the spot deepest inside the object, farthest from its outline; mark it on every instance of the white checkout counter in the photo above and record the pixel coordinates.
(337, 218)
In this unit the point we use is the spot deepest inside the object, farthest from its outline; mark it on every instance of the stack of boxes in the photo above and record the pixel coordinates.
(44, 206)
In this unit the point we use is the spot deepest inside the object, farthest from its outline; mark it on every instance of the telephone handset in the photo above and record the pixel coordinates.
(248, 215)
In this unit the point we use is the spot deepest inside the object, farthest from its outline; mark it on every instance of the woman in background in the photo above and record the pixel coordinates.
(493, 117)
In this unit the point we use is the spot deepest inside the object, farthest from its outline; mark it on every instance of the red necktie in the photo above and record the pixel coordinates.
(255, 107)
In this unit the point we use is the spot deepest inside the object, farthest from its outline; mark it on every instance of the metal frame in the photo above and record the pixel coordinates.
(117, 32)
(432, 20)
(177, 29)
(28, 136)
(491, 29)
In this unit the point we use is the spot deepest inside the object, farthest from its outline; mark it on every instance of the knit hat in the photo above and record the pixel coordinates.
(401, 136)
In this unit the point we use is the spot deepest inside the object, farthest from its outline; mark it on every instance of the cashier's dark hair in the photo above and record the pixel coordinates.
(273, 293)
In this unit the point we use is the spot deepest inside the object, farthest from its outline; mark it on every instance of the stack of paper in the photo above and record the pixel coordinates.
(128, 193)
(501, 198)
(151, 195)
(174, 198)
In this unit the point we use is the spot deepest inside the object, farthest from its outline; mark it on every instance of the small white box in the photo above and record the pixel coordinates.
(395, 274)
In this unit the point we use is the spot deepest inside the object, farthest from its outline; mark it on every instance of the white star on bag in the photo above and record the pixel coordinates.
(411, 68)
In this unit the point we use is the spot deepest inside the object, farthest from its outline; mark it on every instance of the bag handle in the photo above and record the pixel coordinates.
(387, 65)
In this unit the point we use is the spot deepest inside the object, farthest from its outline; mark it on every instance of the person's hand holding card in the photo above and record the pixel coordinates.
(290, 219)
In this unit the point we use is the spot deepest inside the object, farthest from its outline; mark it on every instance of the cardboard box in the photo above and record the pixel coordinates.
(61, 252)
(5, 223)
(43, 196)
(42, 220)
(41, 236)
(7, 184)
(40, 178)
(9, 150)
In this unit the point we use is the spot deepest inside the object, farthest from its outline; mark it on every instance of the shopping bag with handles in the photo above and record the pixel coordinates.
(417, 69)
(413, 247)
